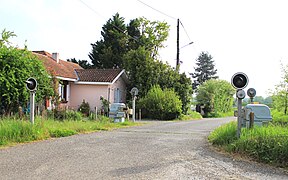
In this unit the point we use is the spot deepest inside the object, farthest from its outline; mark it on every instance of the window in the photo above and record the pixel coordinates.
(63, 91)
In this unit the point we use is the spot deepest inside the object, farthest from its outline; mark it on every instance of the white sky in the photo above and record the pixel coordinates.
(250, 36)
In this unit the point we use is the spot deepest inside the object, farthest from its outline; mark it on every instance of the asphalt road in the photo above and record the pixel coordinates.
(158, 150)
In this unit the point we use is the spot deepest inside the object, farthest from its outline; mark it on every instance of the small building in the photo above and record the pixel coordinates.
(76, 84)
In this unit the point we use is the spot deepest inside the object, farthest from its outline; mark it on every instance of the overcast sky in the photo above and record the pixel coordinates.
(248, 36)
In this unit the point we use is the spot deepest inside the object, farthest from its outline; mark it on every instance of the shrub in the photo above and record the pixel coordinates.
(73, 115)
(190, 115)
(62, 114)
(161, 104)
(279, 118)
(84, 108)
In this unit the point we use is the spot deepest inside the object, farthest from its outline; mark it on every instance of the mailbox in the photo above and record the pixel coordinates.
(262, 114)
(117, 111)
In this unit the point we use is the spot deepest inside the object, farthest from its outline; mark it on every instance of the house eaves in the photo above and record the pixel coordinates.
(93, 83)
(65, 79)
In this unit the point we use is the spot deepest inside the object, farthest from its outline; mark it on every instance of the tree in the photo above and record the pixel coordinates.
(216, 96)
(119, 38)
(16, 66)
(83, 63)
(5, 36)
(144, 72)
(280, 94)
(109, 51)
(149, 34)
(161, 104)
(204, 70)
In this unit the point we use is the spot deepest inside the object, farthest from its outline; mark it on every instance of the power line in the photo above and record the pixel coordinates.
(157, 10)
(116, 27)
(185, 30)
(92, 9)
(165, 15)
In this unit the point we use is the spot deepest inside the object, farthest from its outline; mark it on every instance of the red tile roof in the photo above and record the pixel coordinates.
(98, 75)
(62, 69)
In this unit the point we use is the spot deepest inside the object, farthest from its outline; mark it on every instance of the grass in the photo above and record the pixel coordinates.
(16, 131)
(191, 115)
(279, 118)
(267, 144)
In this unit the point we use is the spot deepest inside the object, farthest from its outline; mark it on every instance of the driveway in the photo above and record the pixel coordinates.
(158, 150)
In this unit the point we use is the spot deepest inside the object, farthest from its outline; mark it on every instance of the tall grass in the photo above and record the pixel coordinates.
(15, 131)
(224, 134)
(191, 115)
(268, 144)
(279, 118)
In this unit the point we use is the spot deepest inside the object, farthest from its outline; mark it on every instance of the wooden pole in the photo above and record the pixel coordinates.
(251, 125)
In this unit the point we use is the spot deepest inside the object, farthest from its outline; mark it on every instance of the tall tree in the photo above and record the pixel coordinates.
(280, 94)
(83, 63)
(118, 39)
(204, 70)
(216, 96)
(149, 34)
(145, 72)
(109, 51)
(16, 66)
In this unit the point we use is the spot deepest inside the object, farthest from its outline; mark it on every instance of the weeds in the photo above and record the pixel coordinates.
(16, 131)
(268, 144)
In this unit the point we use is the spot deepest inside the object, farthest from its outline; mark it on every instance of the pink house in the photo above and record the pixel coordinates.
(77, 84)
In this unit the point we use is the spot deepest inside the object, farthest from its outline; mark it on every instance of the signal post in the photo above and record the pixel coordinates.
(31, 85)
(239, 81)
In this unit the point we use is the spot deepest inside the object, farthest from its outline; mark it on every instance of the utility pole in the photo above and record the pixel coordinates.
(178, 50)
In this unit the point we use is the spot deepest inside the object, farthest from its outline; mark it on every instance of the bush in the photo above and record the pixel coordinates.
(62, 114)
(73, 115)
(190, 115)
(84, 108)
(161, 104)
(279, 118)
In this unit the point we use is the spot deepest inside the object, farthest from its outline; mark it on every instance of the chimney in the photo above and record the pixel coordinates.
(55, 56)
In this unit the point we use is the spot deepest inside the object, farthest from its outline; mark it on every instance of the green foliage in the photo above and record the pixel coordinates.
(83, 63)
(14, 131)
(62, 114)
(149, 34)
(268, 100)
(205, 69)
(224, 134)
(105, 105)
(161, 104)
(16, 66)
(191, 115)
(279, 118)
(216, 96)
(267, 144)
(119, 38)
(84, 108)
(20, 131)
(280, 94)
(144, 72)
(5, 36)
(109, 51)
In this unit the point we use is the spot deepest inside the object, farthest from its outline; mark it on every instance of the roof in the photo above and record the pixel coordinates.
(100, 75)
(63, 69)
